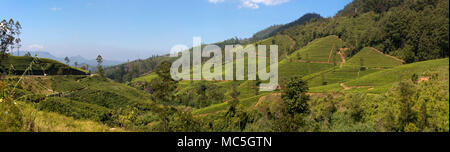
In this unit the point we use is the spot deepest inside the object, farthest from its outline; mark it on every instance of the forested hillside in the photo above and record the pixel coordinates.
(393, 27)
(130, 70)
(412, 30)
(271, 31)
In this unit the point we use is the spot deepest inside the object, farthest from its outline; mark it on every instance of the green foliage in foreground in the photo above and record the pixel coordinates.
(406, 106)
(75, 109)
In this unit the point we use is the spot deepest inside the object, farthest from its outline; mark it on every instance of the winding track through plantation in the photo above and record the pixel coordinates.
(342, 55)
(355, 87)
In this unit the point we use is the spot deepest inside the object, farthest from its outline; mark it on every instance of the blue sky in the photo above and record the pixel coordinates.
(131, 29)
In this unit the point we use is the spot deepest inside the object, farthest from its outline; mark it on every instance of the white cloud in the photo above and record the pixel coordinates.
(216, 1)
(36, 47)
(55, 9)
(253, 4)
(249, 4)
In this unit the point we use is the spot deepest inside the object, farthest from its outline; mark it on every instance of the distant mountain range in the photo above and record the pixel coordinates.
(79, 59)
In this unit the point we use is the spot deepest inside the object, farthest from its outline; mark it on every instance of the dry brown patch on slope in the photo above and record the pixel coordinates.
(331, 53)
(423, 79)
(342, 55)
(260, 100)
(355, 87)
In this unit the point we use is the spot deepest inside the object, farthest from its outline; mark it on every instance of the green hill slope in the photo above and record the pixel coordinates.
(84, 98)
(372, 58)
(319, 55)
(366, 61)
(378, 82)
(381, 80)
(322, 50)
(18, 64)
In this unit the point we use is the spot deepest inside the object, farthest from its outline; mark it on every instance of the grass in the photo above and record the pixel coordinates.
(327, 88)
(347, 74)
(399, 73)
(44, 121)
(371, 61)
(18, 65)
(75, 109)
(81, 98)
(146, 78)
(314, 57)
(285, 44)
(380, 81)
(368, 57)
(288, 69)
(337, 75)
(247, 102)
(320, 50)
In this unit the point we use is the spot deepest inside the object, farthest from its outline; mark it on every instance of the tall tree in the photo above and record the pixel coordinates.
(163, 86)
(232, 110)
(295, 97)
(67, 60)
(99, 65)
(28, 54)
(405, 91)
(9, 32)
(234, 99)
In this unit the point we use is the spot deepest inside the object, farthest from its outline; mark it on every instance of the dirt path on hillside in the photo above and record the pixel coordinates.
(331, 53)
(395, 58)
(342, 55)
(260, 100)
(264, 97)
(345, 87)
(340, 52)
(355, 87)
(423, 79)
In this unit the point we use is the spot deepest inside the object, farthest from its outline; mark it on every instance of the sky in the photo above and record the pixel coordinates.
(136, 29)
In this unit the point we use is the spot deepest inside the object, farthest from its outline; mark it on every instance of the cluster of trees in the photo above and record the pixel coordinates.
(274, 29)
(363, 6)
(412, 30)
(175, 112)
(9, 38)
(164, 90)
(133, 69)
(407, 107)
(203, 95)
